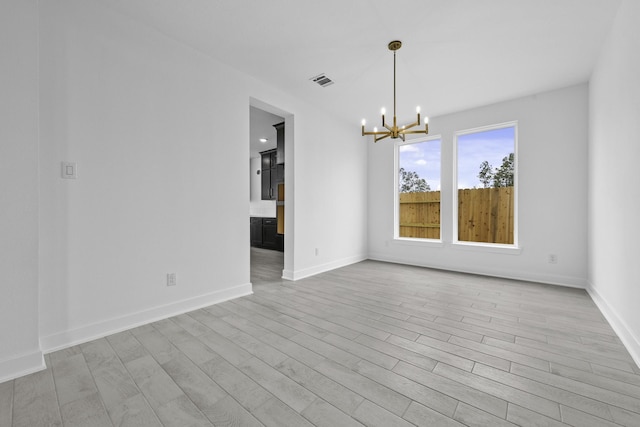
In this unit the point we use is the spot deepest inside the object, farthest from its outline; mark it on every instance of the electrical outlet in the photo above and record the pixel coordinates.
(69, 170)
(172, 279)
(553, 259)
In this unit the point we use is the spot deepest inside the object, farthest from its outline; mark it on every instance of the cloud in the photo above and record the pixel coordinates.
(409, 148)
(421, 162)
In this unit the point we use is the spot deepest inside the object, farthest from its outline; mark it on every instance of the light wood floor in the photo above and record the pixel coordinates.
(373, 343)
(266, 266)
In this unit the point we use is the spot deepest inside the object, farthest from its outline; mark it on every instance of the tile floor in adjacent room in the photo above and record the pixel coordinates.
(372, 344)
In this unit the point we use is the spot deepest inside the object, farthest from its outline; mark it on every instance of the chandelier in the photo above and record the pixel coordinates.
(395, 131)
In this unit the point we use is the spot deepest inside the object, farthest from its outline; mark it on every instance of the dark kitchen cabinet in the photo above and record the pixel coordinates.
(269, 173)
(269, 159)
(272, 169)
(280, 185)
(267, 188)
(280, 152)
(269, 233)
(264, 234)
(280, 143)
(256, 232)
(279, 174)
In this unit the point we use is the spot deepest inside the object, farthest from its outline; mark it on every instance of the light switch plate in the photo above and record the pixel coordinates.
(69, 170)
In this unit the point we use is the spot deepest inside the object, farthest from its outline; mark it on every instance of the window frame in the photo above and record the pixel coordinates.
(499, 247)
(396, 193)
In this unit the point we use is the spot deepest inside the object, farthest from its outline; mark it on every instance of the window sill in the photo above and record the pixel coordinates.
(487, 247)
(407, 241)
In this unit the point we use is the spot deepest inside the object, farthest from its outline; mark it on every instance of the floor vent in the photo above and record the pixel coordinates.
(322, 80)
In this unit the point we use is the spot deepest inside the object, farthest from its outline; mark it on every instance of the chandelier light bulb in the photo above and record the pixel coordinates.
(364, 122)
(418, 109)
(426, 119)
(375, 129)
(383, 111)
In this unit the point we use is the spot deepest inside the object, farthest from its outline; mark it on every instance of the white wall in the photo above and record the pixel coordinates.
(329, 193)
(552, 195)
(142, 118)
(19, 351)
(614, 190)
(163, 178)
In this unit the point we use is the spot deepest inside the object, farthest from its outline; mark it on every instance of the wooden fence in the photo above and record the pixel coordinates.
(420, 215)
(484, 215)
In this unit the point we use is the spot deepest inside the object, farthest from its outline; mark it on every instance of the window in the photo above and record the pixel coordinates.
(418, 189)
(486, 185)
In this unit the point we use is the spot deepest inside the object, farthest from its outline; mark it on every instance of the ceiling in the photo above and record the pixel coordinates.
(456, 54)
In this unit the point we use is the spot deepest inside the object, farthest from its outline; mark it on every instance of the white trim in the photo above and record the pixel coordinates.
(487, 247)
(396, 204)
(620, 327)
(454, 230)
(549, 279)
(322, 268)
(287, 274)
(24, 364)
(396, 195)
(409, 241)
(111, 326)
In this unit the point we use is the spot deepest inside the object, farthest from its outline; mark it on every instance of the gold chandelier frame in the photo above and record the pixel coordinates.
(394, 131)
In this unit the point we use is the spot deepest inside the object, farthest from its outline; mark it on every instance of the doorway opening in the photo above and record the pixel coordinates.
(270, 174)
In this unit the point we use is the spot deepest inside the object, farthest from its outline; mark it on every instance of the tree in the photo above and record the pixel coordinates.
(486, 173)
(410, 182)
(498, 177)
(503, 177)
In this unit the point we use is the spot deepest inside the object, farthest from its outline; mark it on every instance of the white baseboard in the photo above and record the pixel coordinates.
(631, 342)
(287, 274)
(21, 365)
(317, 269)
(573, 282)
(98, 330)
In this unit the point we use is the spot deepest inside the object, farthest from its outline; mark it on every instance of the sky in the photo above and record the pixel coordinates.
(473, 148)
(423, 158)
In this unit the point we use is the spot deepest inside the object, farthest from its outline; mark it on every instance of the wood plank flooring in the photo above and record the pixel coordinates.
(371, 344)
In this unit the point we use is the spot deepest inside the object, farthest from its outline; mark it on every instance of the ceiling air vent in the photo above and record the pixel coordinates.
(322, 80)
